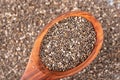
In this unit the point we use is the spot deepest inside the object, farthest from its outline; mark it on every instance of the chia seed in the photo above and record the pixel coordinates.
(67, 44)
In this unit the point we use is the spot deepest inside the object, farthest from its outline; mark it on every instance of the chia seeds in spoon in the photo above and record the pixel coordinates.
(67, 44)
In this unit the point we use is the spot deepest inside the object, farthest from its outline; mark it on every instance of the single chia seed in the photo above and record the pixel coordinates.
(67, 44)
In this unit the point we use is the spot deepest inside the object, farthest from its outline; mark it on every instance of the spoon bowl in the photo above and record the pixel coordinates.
(36, 70)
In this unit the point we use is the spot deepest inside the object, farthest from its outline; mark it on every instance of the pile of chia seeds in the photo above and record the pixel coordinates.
(68, 43)
(21, 21)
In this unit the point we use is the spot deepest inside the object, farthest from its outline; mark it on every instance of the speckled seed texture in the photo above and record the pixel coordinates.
(68, 43)
(22, 20)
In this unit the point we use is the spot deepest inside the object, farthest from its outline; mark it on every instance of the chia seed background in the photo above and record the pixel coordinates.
(22, 20)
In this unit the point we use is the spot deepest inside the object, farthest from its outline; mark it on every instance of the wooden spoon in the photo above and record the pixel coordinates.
(35, 69)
